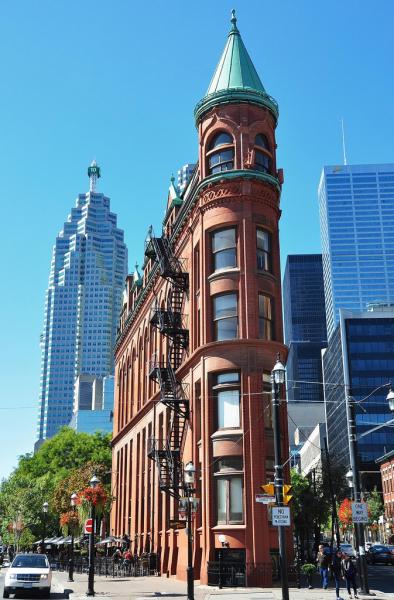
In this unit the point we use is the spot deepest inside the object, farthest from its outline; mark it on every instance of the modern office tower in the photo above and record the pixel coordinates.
(93, 404)
(357, 224)
(358, 360)
(199, 334)
(83, 301)
(304, 326)
(184, 175)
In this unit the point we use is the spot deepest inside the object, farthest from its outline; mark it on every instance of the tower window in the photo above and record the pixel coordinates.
(221, 153)
(226, 391)
(225, 317)
(263, 241)
(265, 317)
(224, 249)
(262, 154)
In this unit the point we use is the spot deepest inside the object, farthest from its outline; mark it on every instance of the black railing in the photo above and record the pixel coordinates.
(110, 567)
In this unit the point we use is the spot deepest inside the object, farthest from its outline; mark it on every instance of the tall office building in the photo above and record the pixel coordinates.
(184, 175)
(83, 301)
(358, 360)
(304, 326)
(357, 224)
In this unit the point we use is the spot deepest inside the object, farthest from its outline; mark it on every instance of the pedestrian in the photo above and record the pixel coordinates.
(323, 562)
(336, 569)
(349, 573)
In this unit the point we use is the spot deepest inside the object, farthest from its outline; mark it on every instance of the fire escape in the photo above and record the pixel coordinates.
(167, 453)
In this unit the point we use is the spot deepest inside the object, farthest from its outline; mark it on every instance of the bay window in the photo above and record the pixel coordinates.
(225, 317)
(265, 317)
(224, 249)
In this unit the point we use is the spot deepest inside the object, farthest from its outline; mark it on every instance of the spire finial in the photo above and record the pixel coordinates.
(233, 20)
(136, 266)
(172, 178)
(93, 174)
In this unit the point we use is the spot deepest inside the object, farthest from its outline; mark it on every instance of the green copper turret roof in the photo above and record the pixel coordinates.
(235, 78)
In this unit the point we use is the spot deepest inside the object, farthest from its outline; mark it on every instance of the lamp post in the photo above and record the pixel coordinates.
(353, 477)
(44, 520)
(277, 379)
(73, 502)
(189, 478)
(93, 483)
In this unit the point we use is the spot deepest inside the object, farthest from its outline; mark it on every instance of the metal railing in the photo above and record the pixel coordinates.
(110, 567)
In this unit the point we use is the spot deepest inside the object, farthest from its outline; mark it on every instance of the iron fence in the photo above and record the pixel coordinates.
(110, 567)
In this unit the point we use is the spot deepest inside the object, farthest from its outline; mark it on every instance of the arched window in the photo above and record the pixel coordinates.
(221, 153)
(262, 154)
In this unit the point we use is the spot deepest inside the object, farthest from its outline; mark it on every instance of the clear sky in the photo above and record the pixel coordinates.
(118, 81)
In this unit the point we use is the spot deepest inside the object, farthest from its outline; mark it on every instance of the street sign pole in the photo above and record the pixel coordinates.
(278, 484)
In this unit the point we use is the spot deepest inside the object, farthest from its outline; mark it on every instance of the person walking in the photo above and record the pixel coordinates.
(349, 573)
(336, 568)
(323, 562)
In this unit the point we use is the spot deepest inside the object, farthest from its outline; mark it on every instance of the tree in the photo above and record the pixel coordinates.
(375, 506)
(37, 476)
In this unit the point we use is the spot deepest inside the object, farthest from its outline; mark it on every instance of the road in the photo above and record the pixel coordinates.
(381, 577)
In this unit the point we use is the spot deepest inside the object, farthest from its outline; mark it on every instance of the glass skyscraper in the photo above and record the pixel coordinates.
(357, 231)
(358, 360)
(82, 306)
(304, 326)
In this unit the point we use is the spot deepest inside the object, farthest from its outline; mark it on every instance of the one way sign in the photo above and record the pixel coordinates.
(360, 512)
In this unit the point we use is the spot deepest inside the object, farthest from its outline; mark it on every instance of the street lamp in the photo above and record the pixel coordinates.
(390, 399)
(278, 375)
(73, 502)
(189, 479)
(44, 519)
(93, 483)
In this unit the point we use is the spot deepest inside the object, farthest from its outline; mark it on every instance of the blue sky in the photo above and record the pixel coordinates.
(118, 81)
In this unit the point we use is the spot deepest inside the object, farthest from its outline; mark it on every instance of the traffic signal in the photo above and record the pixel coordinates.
(269, 489)
(286, 496)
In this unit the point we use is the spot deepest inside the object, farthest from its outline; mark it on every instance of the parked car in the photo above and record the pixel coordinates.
(348, 549)
(28, 572)
(380, 554)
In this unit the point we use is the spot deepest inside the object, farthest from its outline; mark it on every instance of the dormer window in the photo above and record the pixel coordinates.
(220, 153)
(262, 154)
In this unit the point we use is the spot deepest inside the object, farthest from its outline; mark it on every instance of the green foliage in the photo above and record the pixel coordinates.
(375, 506)
(308, 569)
(37, 476)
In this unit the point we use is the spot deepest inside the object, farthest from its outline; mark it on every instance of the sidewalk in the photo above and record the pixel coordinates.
(144, 588)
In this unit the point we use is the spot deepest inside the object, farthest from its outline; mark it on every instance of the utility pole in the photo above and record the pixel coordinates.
(277, 379)
(358, 527)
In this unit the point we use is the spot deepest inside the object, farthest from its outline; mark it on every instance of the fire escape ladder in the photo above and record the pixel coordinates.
(171, 323)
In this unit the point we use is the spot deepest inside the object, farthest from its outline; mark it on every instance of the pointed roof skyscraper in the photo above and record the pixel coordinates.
(235, 78)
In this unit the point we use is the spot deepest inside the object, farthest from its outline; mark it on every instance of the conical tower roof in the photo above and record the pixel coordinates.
(235, 78)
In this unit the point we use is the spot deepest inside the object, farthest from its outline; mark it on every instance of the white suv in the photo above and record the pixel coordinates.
(28, 572)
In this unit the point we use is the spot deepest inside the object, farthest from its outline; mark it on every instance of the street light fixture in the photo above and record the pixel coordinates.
(93, 483)
(390, 399)
(73, 502)
(278, 375)
(45, 507)
(189, 479)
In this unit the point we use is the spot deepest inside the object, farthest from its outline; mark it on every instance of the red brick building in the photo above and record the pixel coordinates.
(198, 337)
(386, 463)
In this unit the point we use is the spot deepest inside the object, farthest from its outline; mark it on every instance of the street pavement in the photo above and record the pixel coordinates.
(146, 588)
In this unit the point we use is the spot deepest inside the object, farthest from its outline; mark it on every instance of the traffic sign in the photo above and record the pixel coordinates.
(265, 499)
(286, 496)
(359, 512)
(88, 526)
(269, 489)
(280, 516)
